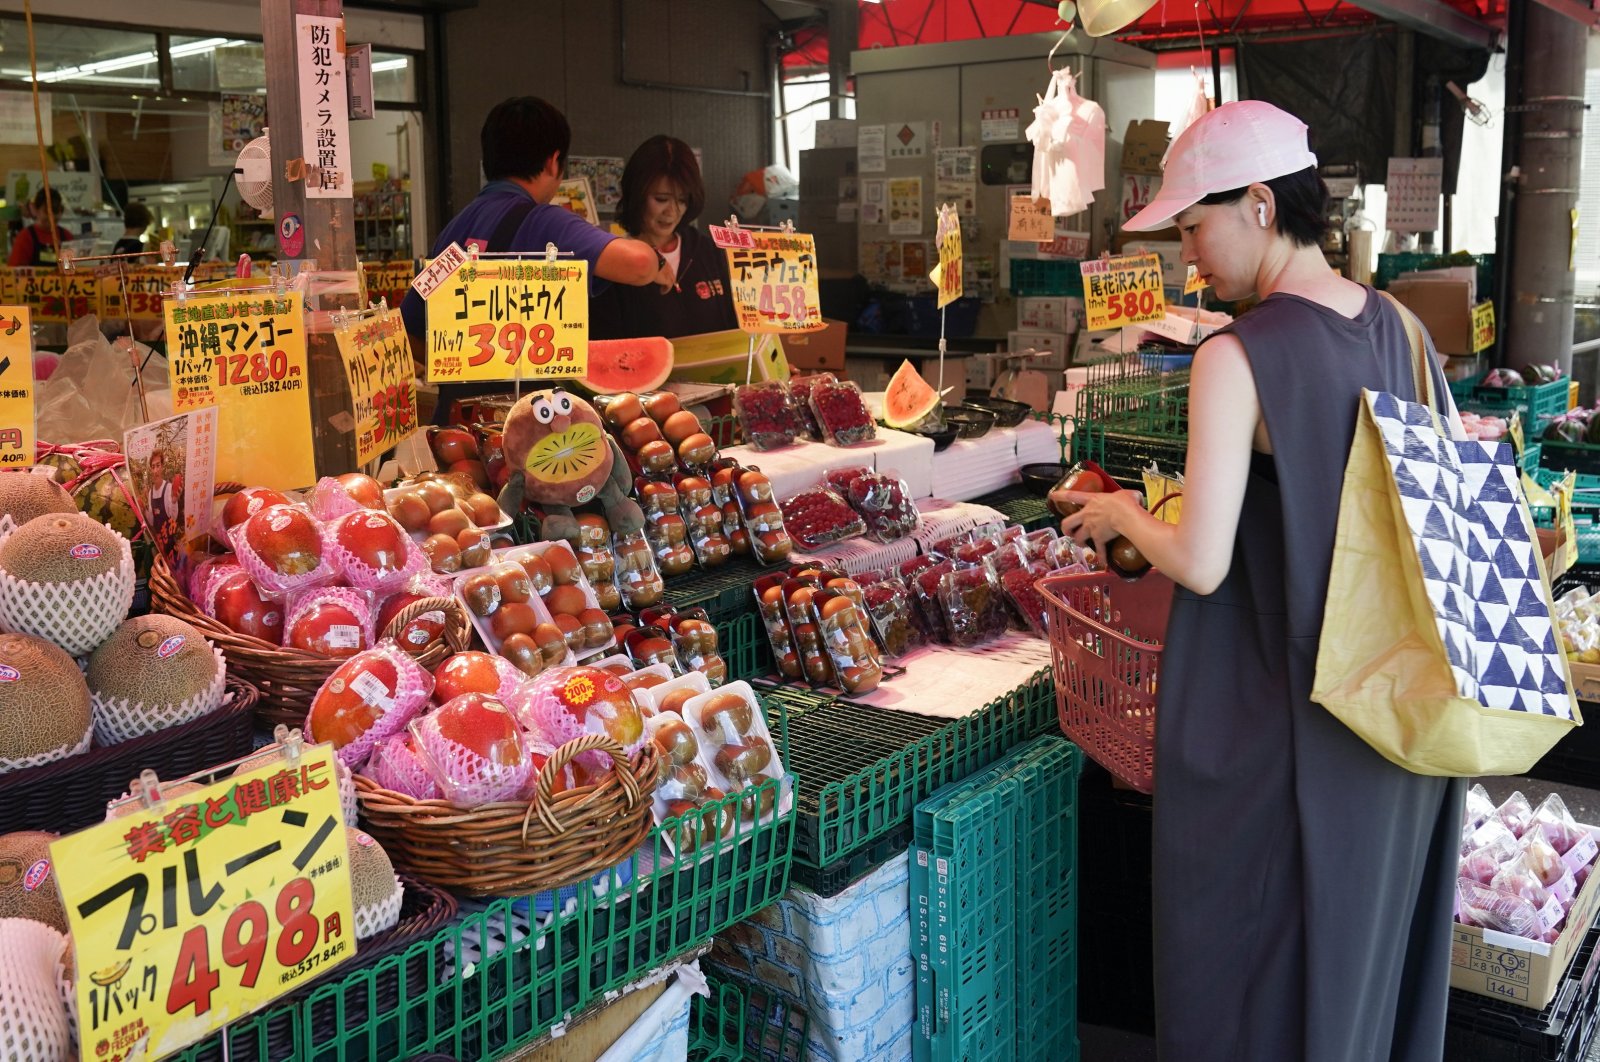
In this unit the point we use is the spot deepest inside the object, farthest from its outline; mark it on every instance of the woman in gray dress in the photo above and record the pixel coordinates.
(1303, 884)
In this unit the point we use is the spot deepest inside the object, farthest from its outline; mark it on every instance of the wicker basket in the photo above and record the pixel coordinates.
(289, 678)
(72, 793)
(511, 848)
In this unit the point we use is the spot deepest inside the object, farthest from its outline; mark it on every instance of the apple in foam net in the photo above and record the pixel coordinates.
(239, 605)
(375, 539)
(248, 502)
(344, 707)
(481, 724)
(286, 539)
(328, 628)
(465, 673)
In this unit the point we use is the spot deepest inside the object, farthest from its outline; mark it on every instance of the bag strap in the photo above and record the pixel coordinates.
(510, 222)
(1421, 377)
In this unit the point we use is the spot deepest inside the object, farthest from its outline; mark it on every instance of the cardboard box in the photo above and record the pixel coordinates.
(1143, 146)
(1516, 970)
(817, 351)
(1053, 342)
(1585, 677)
(1049, 313)
(1445, 309)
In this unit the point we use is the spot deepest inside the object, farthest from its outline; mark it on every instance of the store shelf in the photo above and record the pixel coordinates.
(723, 592)
(1020, 506)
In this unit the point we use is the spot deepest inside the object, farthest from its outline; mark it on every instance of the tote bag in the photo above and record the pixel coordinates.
(1439, 644)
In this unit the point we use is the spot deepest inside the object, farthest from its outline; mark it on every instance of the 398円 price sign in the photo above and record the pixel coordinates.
(195, 913)
(509, 318)
(383, 384)
(775, 283)
(17, 425)
(244, 351)
(1122, 291)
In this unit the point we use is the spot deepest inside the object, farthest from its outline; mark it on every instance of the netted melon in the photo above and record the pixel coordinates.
(25, 495)
(375, 892)
(44, 703)
(65, 578)
(35, 1026)
(27, 881)
(153, 672)
(107, 497)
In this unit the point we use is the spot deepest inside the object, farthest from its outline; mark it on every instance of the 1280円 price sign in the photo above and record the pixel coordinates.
(190, 915)
(1122, 291)
(383, 383)
(775, 283)
(505, 319)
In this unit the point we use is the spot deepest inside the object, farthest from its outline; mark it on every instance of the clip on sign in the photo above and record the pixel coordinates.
(509, 319)
(1122, 291)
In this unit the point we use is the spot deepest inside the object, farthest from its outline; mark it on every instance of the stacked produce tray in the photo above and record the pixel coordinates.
(1489, 1030)
(742, 1021)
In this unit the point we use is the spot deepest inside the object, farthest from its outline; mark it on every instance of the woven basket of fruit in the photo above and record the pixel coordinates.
(288, 677)
(516, 847)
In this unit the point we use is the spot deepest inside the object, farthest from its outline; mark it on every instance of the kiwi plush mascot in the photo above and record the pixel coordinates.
(560, 456)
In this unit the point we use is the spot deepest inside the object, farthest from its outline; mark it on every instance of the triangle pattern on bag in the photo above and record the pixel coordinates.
(1419, 449)
(1436, 527)
(1385, 405)
(1418, 415)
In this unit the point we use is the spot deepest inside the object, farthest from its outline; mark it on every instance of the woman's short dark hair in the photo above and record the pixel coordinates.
(1302, 201)
(137, 216)
(660, 156)
(519, 136)
(55, 200)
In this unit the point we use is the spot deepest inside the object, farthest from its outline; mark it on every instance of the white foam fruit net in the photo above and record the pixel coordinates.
(466, 777)
(42, 758)
(397, 768)
(269, 578)
(359, 604)
(35, 1028)
(377, 917)
(77, 616)
(363, 576)
(347, 793)
(394, 708)
(118, 719)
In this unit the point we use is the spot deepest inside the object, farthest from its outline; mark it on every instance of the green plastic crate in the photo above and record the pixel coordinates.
(1391, 265)
(743, 1021)
(1020, 506)
(1537, 405)
(744, 647)
(1045, 276)
(723, 592)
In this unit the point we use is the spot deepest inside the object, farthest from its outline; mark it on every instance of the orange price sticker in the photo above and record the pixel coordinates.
(1122, 291)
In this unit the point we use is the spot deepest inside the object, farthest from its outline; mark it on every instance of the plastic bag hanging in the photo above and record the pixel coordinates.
(1068, 136)
(1199, 104)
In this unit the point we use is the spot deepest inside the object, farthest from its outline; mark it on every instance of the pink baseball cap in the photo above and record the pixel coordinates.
(1233, 146)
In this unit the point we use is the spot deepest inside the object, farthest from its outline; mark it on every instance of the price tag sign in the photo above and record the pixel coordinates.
(136, 294)
(727, 237)
(16, 388)
(383, 385)
(1031, 220)
(440, 270)
(1518, 441)
(1122, 291)
(39, 289)
(389, 281)
(244, 351)
(506, 318)
(190, 915)
(1483, 326)
(775, 283)
(946, 276)
(1192, 281)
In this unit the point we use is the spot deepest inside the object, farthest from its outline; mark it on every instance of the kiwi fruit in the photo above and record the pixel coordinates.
(44, 702)
(27, 886)
(372, 885)
(26, 495)
(153, 672)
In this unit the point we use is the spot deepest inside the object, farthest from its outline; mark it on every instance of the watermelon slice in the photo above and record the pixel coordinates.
(908, 398)
(617, 365)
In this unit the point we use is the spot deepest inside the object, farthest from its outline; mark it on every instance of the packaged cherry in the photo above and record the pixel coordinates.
(767, 413)
(893, 617)
(775, 621)
(770, 541)
(638, 579)
(925, 592)
(704, 520)
(819, 516)
(885, 505)
(800, 388)
(838, 480)
(972, 605)
(846, 640)
(841, 413)
(665, 528)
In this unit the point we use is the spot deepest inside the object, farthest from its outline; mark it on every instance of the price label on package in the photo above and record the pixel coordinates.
(244, 351)
(190, 915)
(501, 319)
(1122, 291)
(1482, 326)
(775, 283)
(383, 384)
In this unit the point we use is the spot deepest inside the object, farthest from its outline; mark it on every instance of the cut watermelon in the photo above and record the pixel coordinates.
(617, 365)
(908, 398)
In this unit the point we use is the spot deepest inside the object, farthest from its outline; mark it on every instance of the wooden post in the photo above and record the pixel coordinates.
(326, 225)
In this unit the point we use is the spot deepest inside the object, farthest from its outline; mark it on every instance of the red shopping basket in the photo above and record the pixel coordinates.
(1106, 637)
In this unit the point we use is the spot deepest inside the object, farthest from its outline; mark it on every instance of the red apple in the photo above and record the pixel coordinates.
(363, 488)
(375, 539)
(465, 673)
(328, 628)
(248, 502)
(343, 708)
(481, 724)
(286, 539)
(239, 605)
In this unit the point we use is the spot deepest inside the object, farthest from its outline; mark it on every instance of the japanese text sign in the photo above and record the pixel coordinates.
(506, 318)
(1122, 291)
(775, 283)
(383, 384)
(324, 106)
(244, 351)
(946, 276)
(389, 281)
(16, 388)
(53, 296)
(144, 287)
(194, 913)
(1031, 220)
(1482, 326)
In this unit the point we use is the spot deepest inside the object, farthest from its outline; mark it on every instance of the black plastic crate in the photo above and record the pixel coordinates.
(1483, 1029)
(1115, 904)
(1021, 506)
(837, 876)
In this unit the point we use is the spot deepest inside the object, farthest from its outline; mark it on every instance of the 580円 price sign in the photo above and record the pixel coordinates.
(775, 282)
(383, 384)
(244, 351)
(504, 319)
(193, 914)
(1122, 291)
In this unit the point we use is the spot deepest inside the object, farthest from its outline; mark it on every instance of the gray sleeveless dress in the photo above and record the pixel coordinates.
(1303, 884)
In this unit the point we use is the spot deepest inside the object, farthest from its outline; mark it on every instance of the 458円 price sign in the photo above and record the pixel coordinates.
(193, 914)
(775, 283)
(1122, 291)
(510, 318)
(383, 385)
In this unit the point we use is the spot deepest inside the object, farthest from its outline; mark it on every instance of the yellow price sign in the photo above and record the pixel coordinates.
(17, 428)
(39, 288)
(244, 351)
(383, 384)
(389, 281)
(1483, 326)
(946, 276)
(774, 278)
(1122, 291)
(1193, 281)
(192, 914)
(503, 319)
(136, 294)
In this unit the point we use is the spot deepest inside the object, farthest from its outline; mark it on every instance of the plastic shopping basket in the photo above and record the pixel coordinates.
(1106, 637)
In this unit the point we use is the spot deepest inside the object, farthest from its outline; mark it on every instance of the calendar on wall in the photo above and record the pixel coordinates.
(1413, 188)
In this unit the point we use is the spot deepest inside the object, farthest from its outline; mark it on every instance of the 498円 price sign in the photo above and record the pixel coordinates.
(193, 914)
(510, 318)
(1122, 291)
(775, 283)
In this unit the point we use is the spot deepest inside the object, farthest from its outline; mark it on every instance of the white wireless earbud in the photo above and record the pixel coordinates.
(1261, 212)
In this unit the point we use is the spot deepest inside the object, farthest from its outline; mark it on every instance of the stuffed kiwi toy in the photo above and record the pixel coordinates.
(560, 456)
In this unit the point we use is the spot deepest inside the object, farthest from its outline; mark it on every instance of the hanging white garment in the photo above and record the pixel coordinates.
(1068, 135)
(1199, 104)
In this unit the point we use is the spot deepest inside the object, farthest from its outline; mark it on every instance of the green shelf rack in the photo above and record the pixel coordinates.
(743, 1021)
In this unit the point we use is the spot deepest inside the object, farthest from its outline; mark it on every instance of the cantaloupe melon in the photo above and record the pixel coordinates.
(28, 881)
(153, 672)
(908, 398)
(65, 578)
(25, 495)
(35, 1027)
(44, 703)
(375, 892)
